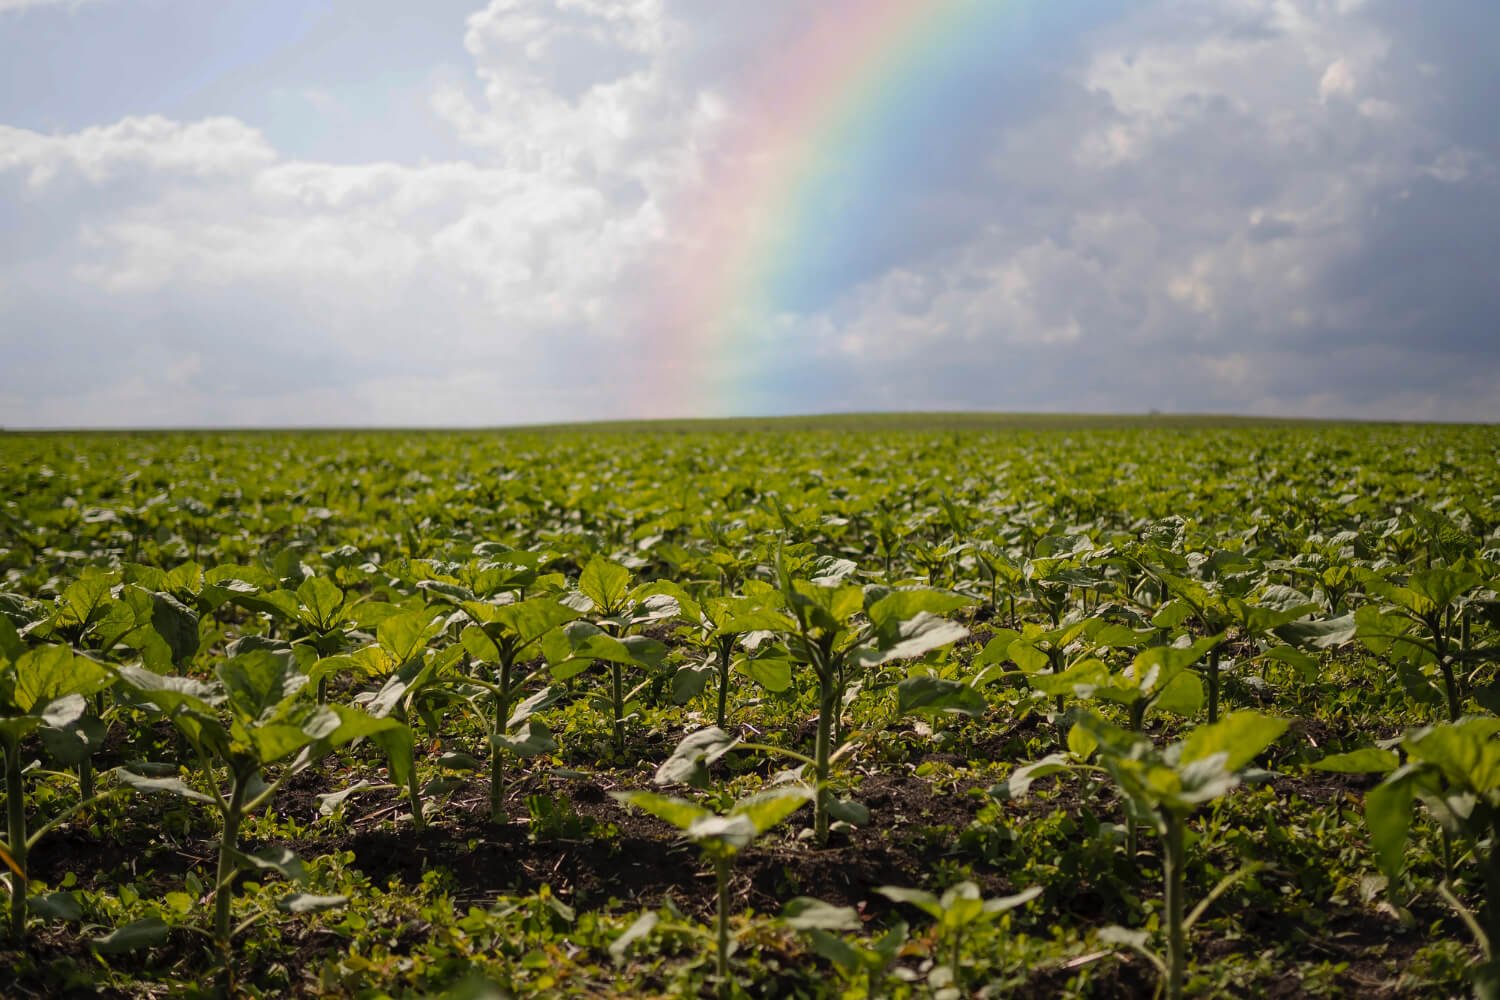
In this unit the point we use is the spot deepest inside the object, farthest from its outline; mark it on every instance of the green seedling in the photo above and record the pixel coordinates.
(721, 837)
(820, 922)
(1162, 787)
(43, 691)
(836, 628)
(1453, 769)
(255, 714)
(956, 911)
(1416, 628)
(618, 609)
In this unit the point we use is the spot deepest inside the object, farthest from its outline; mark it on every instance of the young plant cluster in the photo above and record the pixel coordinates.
(940, 711)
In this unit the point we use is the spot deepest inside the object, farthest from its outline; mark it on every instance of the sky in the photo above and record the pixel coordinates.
(377, 212)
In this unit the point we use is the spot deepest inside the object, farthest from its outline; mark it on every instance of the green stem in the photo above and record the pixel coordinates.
(497, 756)
(1173, 861)
(228, 848)
(721, 869)
(1213, 685)
(617, 688)
(822, 748)
(1445, 663)
(15, 801)
(725, 649)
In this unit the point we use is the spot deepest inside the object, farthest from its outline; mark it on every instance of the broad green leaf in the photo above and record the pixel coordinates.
(898, 606)
(138, 934)
(690, 681)
(323, 600)
(405, 635)
(170, 693)
(774, 673)
(1003, 904)
(637, 931)
(920, 898)
(56, 906)
(273, 859)
(605, 583)
(678, 812)
(1388, 813)
(910, 639)
(934, 696)
(1440, 587)
(533, 738)
(1240, 736)
(176, 624)
(1367, 760)
(688, 764)
(51, 672)
(805, 913)
(1325, 634)
(1022, 777)
(1182, 695)
(306, 902)
(768, 808)
(259, 682)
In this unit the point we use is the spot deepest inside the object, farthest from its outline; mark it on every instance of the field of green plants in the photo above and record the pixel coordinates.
(939, 707)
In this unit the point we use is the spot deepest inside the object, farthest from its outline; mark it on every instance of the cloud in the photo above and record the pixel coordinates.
(1280, 207)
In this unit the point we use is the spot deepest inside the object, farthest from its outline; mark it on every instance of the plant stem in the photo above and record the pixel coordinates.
(822, 749)
(1450, 682)
(1213, 685)
(1173, 859)
(228, 848)
(15, 801)
(721, 869)
(497, 756)
(617, 687)
(725, 647)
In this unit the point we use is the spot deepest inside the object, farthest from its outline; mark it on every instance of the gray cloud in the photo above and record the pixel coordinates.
(1219, 205)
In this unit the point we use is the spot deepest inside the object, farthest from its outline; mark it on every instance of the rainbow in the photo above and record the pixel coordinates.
(822, 118)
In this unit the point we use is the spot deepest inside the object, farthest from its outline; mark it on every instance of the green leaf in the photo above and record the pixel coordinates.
(1022, 777)
(934, 696)
(176, 624)
(306, 902)
(1240, 736)
(898, 606)
(688, 764)
(48, 673)
(920, 898)
(259, 682)
(1325, 634)
(1441, 586)
(910, 639)
(774, 673)
(173, 786)
(679, 812)
(690, 681)
(405, 635)
(768, 808)
(806, 913)
(605, 583)
(56, 906)
(1367, 760)
(1182, 695)
(532, 739)
(637, 931)
(273, 859)
(138, 934)
(1003, 904)
(1388, 814)
(323, 600)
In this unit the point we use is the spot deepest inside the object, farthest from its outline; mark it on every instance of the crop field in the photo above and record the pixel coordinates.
(932, 706)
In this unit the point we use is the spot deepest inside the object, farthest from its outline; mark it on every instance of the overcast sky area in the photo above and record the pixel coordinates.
(379, 212)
